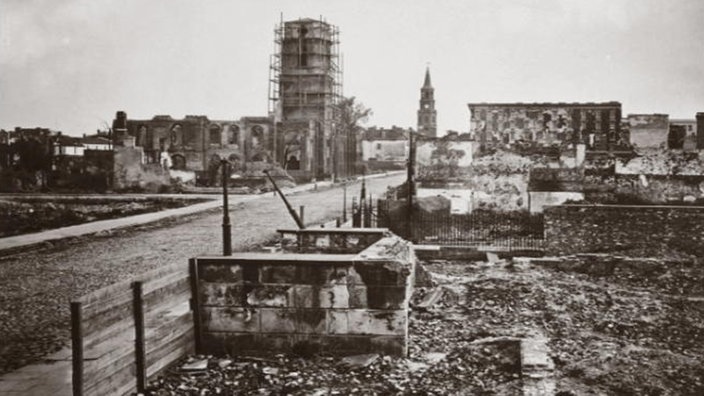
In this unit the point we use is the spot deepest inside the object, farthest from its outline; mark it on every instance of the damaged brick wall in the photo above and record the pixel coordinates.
(643, 230)
(307, 303)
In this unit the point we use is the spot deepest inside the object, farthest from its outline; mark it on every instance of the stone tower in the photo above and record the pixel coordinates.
(427, 115)
(304, 92)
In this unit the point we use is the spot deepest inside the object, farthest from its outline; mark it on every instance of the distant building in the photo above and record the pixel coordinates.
(682, 134)
(385, 148)
(427, 115)
(700, 131)
(67, 146)
(595, 124)
(649, 130)
(97, 142)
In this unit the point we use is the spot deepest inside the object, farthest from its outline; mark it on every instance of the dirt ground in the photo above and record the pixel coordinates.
(18, 216)
(636, 331)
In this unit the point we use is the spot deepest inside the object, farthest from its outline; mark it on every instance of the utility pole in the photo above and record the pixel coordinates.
(410, 185)
(226, 228)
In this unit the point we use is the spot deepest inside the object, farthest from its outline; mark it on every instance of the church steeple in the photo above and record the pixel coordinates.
(427, 83)
(427, 115)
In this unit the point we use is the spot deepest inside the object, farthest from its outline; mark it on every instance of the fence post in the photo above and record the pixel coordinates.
(301, 213)
(356, 214)
(344, 203)
(77, 346)
(195, 304)
(139, 347)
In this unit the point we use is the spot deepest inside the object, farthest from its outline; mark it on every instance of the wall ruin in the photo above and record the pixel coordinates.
(343, 303)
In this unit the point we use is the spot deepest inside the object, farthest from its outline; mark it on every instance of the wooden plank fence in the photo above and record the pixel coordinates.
(126, 333)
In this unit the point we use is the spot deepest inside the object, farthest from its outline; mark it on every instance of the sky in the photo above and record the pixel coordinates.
(70, 65)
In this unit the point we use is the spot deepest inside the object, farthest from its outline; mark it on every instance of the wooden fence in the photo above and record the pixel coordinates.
(124, 334)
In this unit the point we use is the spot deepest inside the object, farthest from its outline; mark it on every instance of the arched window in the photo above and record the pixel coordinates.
(214, 134)
(293, 163)
(176, 135)
(257, 135)
(178, 162)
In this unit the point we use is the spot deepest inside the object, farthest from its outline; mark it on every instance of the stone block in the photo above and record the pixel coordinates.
(277, 273)
(364, 321)
(380, 273)
(358, 296)
(223, 294)
(387, 297)
(270, 295)
(321, 273)
(230, 319)
(304, 296)
(306, 321)
(219, 272)
(227, 271)
(334, 296)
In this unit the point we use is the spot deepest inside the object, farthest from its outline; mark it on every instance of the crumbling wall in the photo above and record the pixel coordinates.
(307, 303)
(130, 172)
(649, 130)
(642, 230)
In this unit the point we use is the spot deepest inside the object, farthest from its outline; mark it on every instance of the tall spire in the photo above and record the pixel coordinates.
(427, 115)
(427, 84)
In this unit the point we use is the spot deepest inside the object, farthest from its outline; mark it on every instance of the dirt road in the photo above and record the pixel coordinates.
(36, 286)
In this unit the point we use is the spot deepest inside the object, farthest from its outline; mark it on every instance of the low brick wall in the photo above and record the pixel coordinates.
(647, 230)
(342, 304)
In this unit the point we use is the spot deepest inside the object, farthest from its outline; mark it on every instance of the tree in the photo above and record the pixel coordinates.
(351, 114)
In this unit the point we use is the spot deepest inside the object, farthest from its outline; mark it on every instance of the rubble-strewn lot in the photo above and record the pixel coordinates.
(22, 216)
(636, 331)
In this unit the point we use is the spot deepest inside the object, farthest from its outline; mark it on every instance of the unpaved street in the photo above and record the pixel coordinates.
(36, 286)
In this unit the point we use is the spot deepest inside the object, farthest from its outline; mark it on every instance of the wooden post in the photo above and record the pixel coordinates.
(77, 346)
(344, 203)
(195, 305)
(301, 213)
(226, 228)
(337, 222)
(140, 350)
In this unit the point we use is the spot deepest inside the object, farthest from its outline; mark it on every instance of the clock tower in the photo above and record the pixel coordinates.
(427, 115)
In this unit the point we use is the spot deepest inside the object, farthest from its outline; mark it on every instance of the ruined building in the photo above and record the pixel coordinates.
(427, 115)
(598, 125)
(304, 92)
(301, 132)
(196, 143)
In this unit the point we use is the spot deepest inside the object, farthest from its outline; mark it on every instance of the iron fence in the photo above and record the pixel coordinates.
(509, 231)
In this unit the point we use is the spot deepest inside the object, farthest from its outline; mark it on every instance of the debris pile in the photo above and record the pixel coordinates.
(636, 330)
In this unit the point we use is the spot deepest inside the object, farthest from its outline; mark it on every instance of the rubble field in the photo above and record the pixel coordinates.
(23, 216)
(635, 330)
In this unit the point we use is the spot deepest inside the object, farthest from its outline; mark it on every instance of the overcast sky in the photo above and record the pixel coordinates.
(71, 64)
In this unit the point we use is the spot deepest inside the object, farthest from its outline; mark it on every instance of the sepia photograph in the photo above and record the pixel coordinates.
(459, 197)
